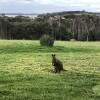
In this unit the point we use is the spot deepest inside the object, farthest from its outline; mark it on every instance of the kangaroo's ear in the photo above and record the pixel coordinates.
(53, 55)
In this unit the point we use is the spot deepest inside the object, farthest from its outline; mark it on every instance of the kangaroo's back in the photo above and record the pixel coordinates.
(57, 63)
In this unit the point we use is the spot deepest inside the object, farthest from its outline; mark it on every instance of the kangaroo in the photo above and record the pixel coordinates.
(58, 65)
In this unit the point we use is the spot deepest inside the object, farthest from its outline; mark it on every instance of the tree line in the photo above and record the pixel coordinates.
(81, 26)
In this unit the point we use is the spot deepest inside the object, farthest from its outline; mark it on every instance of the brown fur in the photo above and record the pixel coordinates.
(58, 65)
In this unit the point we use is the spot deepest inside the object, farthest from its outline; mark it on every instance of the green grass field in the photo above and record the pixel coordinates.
(25, 71)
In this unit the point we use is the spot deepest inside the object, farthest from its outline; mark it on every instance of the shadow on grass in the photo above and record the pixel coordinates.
(5, 92)
(69, 83)
(65, 76)
(38, 49)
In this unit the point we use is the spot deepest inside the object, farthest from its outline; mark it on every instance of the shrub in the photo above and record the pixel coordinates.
(46, 40)
(72, 39)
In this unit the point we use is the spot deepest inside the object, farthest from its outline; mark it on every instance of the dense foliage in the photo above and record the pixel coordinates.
(46, 40)
(62, 26)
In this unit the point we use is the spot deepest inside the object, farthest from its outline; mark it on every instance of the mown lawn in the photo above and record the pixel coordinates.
(25, 71)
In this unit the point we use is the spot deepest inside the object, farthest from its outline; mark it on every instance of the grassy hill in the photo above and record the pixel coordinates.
(25, 71)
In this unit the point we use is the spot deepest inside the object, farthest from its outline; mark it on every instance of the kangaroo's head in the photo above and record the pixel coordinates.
(53, 56)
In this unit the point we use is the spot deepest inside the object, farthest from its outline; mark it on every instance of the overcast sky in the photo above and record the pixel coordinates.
(43, 6)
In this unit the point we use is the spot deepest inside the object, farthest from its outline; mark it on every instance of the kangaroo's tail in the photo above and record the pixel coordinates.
(64, 70)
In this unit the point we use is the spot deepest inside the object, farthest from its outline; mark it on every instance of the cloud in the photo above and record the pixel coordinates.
(89, 5)
(18, 1)
(82, 4)
(51, 5)
(64, 2)
(57, 2)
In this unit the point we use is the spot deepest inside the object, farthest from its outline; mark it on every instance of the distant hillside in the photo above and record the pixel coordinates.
(78, 25)
(69, 12)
